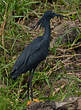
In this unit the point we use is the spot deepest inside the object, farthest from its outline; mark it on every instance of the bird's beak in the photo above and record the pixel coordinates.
(58, 15)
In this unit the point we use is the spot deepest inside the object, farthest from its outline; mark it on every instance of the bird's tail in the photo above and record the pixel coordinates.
(14, 75)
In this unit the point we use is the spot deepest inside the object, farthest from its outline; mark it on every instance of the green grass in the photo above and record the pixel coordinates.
(14, 37)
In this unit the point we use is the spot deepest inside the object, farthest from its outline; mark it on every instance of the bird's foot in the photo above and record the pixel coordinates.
(34, 100)
(29, 102)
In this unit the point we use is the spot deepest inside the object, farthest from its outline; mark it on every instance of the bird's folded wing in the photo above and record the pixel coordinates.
(27, 52)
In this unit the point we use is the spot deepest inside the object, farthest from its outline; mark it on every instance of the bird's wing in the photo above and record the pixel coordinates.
(21, 59)
(38, 55)
(24, 56)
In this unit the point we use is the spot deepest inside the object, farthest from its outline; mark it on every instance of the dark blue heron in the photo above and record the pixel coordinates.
(35, 52)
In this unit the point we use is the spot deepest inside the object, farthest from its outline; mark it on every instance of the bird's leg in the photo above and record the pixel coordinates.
(28, 89)
(35, 100)
(30, 85)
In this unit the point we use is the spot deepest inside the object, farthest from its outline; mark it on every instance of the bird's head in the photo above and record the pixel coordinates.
(46, 17)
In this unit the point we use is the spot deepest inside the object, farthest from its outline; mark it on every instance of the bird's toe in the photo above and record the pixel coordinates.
(29, 102)
(34, 100)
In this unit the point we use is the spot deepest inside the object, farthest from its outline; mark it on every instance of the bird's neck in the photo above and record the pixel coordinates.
(47, 30)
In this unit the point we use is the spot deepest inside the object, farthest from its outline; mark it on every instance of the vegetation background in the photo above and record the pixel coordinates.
(55, 78)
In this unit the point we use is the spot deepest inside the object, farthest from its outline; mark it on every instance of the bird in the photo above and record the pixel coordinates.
(35, 52)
